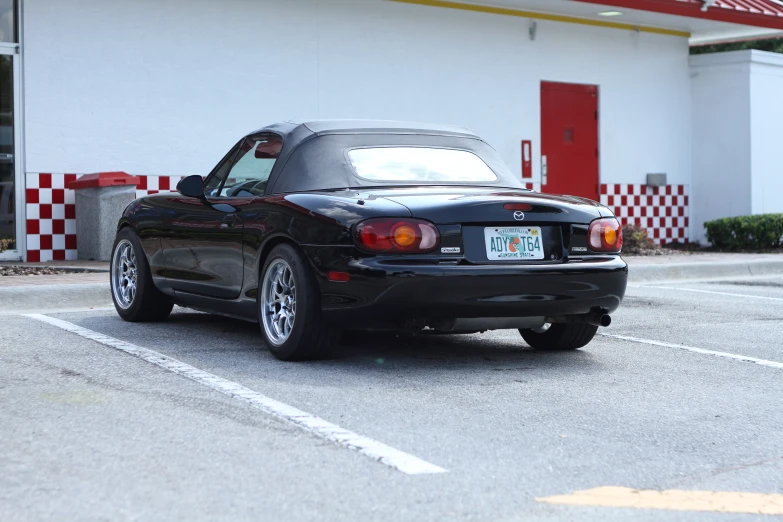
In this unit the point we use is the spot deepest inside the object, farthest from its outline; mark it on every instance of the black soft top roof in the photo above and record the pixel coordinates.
(314, 152)
(295, 132)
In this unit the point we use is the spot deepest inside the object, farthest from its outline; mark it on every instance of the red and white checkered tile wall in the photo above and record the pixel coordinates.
(663, 211)
(51, 213)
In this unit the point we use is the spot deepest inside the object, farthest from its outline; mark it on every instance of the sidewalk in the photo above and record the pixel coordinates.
(24, 294)
(702, 266)
(56, 292)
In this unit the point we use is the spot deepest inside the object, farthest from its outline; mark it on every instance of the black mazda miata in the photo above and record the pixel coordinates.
(314, 228)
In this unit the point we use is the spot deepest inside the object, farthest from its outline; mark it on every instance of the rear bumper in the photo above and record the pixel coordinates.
(382, 290)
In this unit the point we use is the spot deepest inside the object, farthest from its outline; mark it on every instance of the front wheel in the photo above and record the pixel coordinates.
(134, 294)
(289, 308)
(560, 336)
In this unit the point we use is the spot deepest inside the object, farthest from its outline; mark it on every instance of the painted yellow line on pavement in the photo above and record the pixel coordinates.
(673, 499)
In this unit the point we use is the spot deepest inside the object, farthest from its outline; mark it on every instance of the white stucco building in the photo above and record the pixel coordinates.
(737, 129)
(578, 96)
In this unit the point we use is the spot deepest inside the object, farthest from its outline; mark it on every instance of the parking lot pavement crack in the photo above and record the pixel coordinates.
(371, 448)
(698, 477)
(212, 407)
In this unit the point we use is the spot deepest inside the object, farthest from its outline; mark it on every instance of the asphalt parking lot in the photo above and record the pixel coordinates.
(691, 403)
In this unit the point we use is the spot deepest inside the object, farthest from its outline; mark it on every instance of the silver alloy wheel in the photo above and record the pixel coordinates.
(124, 274)
(278, 305)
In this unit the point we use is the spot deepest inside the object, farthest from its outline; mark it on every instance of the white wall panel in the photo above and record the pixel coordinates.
(165, 88)
(721, 141)
(766, 87)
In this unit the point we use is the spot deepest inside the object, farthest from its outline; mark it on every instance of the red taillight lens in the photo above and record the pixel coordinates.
(517, 206)
(397, 236)
(605, 235)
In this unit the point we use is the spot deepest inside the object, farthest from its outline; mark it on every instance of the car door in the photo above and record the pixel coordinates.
(203, 243)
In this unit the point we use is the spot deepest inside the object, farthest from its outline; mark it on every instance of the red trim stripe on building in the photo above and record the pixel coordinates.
(756, 13)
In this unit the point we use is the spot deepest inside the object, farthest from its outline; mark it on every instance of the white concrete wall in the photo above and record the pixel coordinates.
(721, 139)
(737, 121)
(166, 87)
(766, 108)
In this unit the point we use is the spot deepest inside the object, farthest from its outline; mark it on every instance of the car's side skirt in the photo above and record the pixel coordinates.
(244, 308)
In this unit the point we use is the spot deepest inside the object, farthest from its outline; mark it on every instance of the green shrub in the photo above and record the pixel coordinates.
(636, 240)
(759, 232)
(6, 244)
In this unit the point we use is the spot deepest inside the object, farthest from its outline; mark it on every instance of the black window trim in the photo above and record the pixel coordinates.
(235, 156)
(228, 158)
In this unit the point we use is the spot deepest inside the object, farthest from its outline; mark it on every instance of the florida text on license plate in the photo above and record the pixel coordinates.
(513, 243)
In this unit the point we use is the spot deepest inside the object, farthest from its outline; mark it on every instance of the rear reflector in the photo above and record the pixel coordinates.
(397, 236)
(339, 277)
(517, 206)
(605, 235)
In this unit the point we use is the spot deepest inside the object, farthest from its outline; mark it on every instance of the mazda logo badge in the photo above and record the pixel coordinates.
(519, 216)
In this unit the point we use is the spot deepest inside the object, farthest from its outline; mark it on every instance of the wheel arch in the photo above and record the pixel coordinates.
(267, 248)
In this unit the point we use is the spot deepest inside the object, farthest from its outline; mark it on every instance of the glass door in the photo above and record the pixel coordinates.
(11, 182)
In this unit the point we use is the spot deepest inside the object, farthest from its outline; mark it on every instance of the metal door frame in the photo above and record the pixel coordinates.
(15, 51)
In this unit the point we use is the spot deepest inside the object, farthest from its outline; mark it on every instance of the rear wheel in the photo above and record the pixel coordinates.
(289, 308)
(560, 336)
(135, 296)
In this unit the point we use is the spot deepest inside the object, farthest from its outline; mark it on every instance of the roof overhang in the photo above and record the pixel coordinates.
(701, 21)
(736, 19)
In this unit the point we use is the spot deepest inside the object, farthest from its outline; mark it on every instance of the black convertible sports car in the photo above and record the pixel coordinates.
(314, 228)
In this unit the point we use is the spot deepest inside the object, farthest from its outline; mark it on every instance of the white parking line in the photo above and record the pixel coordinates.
(372, 448)
(744, 358)
(708, 292)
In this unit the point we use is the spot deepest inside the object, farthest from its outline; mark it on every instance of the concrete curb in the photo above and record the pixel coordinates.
(80, 269)
(708, 270)
(75, 269)
(39, 298)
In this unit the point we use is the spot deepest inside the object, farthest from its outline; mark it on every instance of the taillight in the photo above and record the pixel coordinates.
(605, 235)
(397, 236)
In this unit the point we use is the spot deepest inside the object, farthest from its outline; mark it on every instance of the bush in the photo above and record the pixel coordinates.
(636, 240)
(6, 244)
(759, 232)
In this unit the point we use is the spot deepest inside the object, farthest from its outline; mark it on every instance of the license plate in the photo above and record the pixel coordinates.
(513, 243)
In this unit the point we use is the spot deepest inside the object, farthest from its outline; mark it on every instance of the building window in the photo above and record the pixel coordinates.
(8, 29)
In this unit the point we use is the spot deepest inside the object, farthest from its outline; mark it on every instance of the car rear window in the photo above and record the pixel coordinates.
(419, 164)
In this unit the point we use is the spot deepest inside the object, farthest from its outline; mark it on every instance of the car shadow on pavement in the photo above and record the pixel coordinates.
(497, 351)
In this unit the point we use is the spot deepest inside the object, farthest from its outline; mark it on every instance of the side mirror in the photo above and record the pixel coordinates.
(191, 187)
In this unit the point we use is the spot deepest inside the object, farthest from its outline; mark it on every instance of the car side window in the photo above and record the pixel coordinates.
(212, 186)
(250, 173)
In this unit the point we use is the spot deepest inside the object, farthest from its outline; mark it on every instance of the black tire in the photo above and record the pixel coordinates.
(310, 336)
(148, 303)
(560, 336)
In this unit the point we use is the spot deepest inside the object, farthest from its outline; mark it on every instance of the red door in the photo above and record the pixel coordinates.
(569, 139)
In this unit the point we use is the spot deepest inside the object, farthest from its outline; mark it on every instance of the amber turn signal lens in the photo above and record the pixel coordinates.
(610, 236)
(404, 235)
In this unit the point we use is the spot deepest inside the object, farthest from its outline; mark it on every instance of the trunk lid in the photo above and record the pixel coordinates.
(469, 205)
